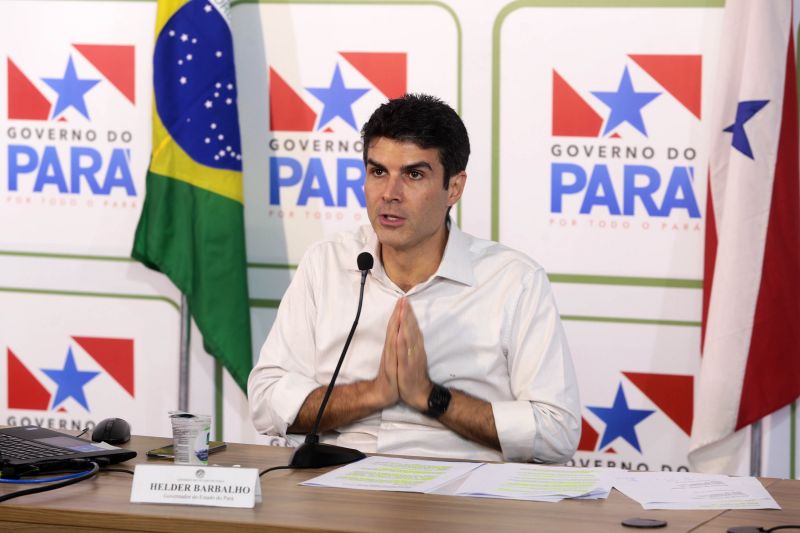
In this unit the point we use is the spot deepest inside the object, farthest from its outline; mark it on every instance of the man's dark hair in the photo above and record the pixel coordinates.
(425, 121)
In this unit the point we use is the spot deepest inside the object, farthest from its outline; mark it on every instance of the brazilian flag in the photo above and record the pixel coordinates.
(192, 222)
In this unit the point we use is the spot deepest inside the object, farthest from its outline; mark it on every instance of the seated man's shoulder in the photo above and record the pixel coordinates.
(496, 256)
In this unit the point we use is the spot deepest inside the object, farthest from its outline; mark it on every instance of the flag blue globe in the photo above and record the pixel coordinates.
(195, 85)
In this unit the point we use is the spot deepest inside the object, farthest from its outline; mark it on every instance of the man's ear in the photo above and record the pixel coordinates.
(456, 187)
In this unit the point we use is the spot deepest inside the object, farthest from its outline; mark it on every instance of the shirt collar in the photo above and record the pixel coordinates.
(456, 261)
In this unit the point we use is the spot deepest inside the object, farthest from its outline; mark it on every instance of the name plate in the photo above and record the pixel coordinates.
(216, 486)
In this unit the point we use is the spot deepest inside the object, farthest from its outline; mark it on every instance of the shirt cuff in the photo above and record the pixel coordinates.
(288, 397)
(516, 429)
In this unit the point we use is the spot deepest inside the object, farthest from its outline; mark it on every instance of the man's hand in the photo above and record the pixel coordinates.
(468, 416)
(386, 381)
(413, 382)
(402, 375)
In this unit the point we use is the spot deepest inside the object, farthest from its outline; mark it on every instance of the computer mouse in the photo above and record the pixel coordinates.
(112, 431)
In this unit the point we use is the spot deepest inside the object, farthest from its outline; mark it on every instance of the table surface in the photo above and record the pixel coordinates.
(103, 503)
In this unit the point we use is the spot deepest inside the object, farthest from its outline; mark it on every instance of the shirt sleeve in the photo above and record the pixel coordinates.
(284, 374)
(543, 424)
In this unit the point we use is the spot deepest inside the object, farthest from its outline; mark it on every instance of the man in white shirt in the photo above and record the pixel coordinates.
(459, 351)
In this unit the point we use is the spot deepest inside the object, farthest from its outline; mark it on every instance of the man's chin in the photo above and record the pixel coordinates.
(391, 238)
(391, 241)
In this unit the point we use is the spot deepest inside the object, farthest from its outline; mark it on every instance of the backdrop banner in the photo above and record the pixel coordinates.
(590, 125)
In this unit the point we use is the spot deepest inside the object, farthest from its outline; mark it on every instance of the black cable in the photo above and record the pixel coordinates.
(274, 468)
(89, 473)
(125, 470)
(760, 529)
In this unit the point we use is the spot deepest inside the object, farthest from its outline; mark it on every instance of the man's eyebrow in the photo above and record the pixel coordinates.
(405, 168)
(417, 165)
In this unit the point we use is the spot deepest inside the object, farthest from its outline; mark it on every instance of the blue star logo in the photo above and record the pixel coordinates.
(744, 112)
(626, 104)
(70, 90)
(70, 381)
(620, 420)
(337, 99)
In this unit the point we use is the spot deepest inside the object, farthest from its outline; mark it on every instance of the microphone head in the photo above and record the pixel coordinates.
(365, 261)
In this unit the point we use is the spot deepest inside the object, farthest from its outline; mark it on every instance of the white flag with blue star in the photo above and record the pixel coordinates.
(750, 364)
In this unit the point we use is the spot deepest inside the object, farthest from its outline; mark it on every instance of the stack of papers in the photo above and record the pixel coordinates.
(540, 483)
(653, 490)
(686, 490)
(509, 480)
(389, 473)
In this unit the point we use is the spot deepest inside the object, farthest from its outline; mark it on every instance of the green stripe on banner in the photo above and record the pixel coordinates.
(639, 321)
(627, 281)
(218, 403)
(54, 292)
(118, 259)
(264, 303)
(48, 255)
(272, 266)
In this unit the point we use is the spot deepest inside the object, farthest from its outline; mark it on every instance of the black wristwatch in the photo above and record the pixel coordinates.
(438, 401)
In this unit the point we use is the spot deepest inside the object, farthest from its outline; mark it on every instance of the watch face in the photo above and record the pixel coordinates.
(438, 401)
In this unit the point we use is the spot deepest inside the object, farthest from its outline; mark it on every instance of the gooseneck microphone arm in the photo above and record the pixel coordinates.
(313, 435)
(312, 454)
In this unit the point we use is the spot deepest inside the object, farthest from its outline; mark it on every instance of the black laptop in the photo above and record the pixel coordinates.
(30, 449)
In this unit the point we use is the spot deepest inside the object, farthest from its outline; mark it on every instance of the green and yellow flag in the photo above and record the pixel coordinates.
(192, 222)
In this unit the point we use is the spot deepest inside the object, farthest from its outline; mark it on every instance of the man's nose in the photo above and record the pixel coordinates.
(393, 191)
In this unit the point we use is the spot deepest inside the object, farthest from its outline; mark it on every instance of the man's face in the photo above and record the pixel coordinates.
(406, 198)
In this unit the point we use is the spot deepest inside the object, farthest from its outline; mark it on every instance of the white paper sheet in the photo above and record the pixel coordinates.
(393, 474)
(533, 482)
(653, 490)
(686, 490)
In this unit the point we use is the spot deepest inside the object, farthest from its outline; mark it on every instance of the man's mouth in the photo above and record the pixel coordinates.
(391, 220)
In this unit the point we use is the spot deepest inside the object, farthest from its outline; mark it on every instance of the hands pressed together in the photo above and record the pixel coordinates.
(402, 377)
(403, 373)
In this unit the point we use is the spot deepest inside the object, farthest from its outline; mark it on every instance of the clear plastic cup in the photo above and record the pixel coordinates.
(190, 435)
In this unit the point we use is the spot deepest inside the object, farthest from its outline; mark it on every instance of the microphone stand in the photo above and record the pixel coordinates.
(312, 453)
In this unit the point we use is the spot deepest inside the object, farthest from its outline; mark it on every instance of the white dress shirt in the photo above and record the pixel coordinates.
(491, 329)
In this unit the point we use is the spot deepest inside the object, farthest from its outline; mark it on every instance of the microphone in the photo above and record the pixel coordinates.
(313, 454)
(365, 262)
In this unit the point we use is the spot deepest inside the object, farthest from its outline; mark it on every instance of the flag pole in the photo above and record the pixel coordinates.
(183, 372)
(755, 448)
